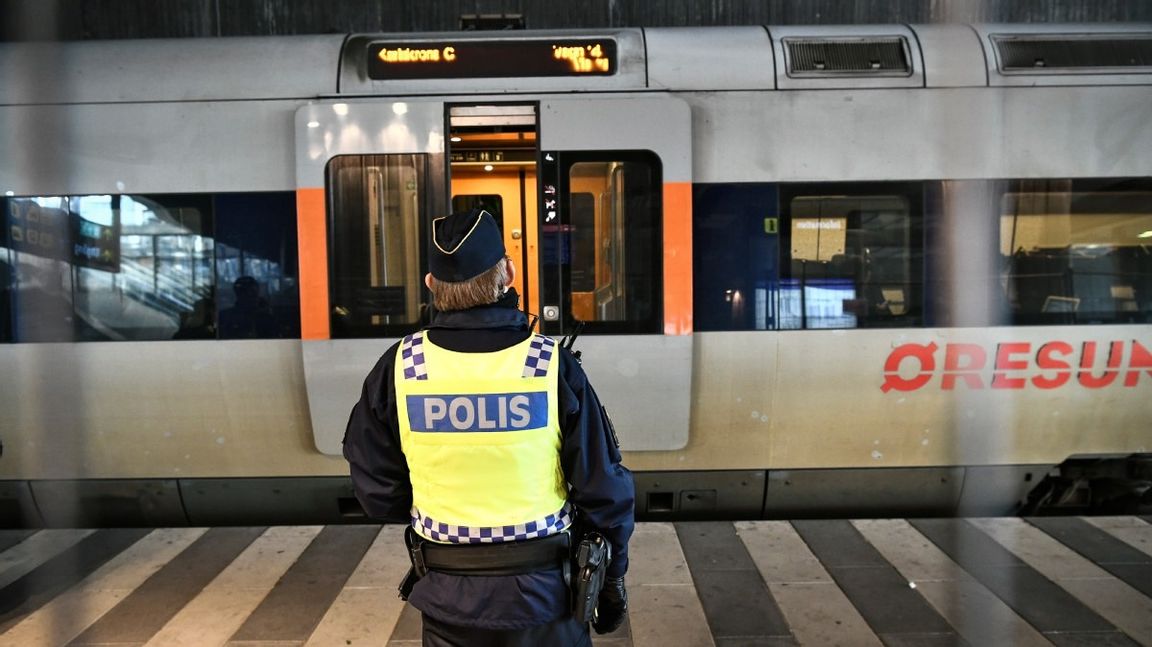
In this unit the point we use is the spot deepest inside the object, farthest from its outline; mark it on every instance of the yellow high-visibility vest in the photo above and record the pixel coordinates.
(481, 435)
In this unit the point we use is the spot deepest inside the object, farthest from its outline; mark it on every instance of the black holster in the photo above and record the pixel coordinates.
(590, 568)
(416, 556)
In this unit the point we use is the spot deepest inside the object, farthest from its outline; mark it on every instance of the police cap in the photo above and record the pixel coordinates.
(464, 246)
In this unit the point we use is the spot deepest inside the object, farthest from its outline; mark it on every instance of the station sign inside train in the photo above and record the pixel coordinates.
(62, 235)
(1018, 365)
(470, 59)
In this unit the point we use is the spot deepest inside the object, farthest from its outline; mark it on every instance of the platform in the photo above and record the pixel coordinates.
(997, 581)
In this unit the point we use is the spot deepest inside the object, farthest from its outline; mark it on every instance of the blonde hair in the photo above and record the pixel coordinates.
(476, 291)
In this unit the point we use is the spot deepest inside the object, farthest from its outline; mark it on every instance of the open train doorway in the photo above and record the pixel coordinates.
(492, 152)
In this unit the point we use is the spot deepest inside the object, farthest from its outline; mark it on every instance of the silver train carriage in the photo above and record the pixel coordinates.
(820, 270)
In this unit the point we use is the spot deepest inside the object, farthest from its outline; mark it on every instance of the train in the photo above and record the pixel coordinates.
(812, 271)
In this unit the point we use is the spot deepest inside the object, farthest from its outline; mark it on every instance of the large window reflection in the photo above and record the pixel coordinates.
(855, 259)
(839, 255)
(808, 256)
(148, 267)
(1077, 251)
(7, 282)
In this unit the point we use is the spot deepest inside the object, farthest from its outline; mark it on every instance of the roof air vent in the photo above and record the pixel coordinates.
(816, 57)
(1126, 53)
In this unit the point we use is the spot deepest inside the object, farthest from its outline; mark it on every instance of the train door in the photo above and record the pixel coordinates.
(614, 215)
(593, 196)
(370, 175)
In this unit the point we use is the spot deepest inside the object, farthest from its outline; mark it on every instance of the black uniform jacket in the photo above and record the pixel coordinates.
(600, 487)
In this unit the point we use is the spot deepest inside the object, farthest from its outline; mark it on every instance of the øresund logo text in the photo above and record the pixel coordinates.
(475, 412)
(1018, 365)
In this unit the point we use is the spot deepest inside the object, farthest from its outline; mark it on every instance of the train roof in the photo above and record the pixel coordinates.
(633, 59)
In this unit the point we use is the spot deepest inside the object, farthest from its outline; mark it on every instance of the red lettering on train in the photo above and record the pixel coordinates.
(1016, 366)
(1046, 361)
(926, 355)
(1088, 361)
(963, 361)
(1138, 359)
(1005, 363)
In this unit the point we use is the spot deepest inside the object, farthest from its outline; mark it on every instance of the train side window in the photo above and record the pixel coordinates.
(144, 267)
(735, 249)
(257, 295)
(7, 276)
(854, 257)
(601, 257)
(374, 213)
(1077, 251)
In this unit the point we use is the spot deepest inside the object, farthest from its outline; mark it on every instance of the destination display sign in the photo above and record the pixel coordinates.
(469, 59)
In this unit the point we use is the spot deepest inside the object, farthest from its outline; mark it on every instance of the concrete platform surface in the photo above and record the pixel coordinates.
(898, 582)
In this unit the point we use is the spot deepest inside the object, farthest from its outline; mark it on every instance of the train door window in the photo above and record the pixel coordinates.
(855, 257)
(375, 219)
(602, 251)
(1077, 251)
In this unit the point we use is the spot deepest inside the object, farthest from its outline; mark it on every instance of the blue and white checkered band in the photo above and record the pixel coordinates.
(412, 355)
(447, 533)
(539, 356)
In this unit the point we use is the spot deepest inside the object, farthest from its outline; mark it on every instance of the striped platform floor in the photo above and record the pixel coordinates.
(1003, 581)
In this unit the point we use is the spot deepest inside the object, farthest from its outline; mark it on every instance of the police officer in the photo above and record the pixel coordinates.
(490, 442)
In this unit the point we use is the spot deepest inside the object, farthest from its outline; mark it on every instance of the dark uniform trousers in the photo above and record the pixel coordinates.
(566, 632)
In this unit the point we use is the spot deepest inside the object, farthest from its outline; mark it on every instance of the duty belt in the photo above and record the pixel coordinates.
(504, 558)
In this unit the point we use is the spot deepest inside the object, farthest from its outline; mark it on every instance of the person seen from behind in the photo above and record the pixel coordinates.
(490, 443)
